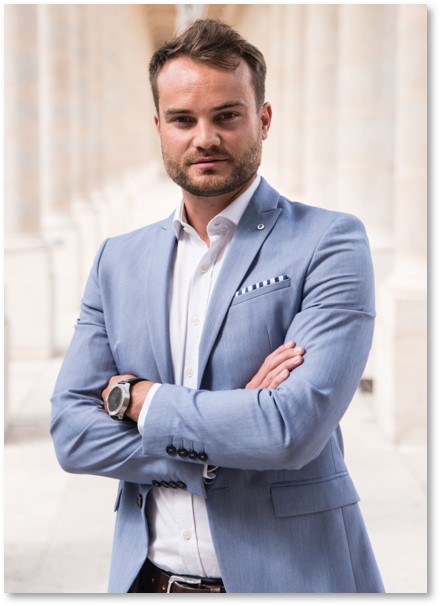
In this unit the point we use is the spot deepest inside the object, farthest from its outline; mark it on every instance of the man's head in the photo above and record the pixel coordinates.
(212, 43)
(211, 115)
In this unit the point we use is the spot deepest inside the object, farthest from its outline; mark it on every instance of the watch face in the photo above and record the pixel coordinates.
(115, 399)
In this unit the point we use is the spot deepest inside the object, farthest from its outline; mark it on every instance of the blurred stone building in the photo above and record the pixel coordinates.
(82, 161)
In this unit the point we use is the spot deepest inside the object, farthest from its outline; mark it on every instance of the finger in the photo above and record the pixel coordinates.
(287, 366)
(281, 376)
(272, 361)
(285, 356)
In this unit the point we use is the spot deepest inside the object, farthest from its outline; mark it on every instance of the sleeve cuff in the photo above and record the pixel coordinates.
(146, 405)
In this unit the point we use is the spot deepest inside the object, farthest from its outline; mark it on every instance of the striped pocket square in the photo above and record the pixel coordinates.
(262, 284)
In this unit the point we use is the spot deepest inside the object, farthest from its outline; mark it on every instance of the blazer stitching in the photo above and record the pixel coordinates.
(331, 452)
(294, 483)
(348, 547)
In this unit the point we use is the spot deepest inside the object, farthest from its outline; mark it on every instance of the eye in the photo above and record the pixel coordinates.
(182, 120)
(227, 116)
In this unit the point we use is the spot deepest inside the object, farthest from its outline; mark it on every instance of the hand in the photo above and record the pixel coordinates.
(138, 393)
(277, 367)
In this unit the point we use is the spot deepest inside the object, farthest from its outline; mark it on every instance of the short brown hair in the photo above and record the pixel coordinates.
(214, 43)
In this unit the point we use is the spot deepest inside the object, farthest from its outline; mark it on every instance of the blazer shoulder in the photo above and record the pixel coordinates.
(133, 246)
(316, 218)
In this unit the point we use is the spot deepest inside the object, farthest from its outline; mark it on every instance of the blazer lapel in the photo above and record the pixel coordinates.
(160, 266)
(255, 226)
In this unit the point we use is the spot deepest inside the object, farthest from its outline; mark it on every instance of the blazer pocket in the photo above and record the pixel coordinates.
(265, 290)
(313, 496)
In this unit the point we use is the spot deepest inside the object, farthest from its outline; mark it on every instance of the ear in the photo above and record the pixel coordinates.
(266, 119)
(157, 123)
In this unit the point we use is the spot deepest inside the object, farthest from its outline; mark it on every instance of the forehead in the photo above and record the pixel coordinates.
(183, 82)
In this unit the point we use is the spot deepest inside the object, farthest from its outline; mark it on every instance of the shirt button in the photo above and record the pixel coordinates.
(195, 320)
(203, 269)
(189, 372)
(186, 534)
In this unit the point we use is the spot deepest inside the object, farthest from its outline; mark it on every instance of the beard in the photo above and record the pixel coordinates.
(209, 183)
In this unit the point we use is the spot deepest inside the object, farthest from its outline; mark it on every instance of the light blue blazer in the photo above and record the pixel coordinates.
(283, 509)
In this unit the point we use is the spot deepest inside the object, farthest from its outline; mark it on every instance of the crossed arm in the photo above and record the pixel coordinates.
(283, 428)
(274, 370)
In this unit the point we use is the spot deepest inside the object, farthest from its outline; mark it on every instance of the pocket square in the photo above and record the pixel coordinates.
(262, 284)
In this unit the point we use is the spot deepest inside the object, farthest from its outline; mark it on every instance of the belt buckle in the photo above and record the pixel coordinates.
(174, 578)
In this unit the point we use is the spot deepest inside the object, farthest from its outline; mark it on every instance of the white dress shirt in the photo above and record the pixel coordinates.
(180, 537)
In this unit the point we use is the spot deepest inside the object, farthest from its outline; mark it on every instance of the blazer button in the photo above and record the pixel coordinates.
(171, 450)
(156, 483)
(139, 501)
(193, 454)
(203, 456)
(181, 485)
(182, 452)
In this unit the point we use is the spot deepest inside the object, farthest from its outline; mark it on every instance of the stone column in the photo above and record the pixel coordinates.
(320, 105)
(28, 276)
(365, 136)
(60, 152)
(278, 31)
(402, 303)
(365, 131)
(87, 202)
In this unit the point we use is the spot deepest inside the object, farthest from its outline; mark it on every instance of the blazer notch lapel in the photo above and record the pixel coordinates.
(157, 308)
(252, 231)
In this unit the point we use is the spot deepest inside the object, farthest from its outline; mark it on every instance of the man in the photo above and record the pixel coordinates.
(227, 446)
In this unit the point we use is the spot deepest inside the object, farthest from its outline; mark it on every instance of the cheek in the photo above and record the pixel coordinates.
(173, 142)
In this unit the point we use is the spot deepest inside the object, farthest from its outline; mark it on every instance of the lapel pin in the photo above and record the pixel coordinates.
(260, 227)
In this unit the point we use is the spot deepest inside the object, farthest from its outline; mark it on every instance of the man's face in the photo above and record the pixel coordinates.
(210, 129)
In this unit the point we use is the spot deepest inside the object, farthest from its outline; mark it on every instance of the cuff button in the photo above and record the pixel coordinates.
(171, 450)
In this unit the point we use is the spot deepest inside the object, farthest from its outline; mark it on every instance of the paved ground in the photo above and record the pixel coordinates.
(58, 527)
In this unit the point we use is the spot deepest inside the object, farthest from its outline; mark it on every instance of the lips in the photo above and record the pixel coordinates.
(207, 161)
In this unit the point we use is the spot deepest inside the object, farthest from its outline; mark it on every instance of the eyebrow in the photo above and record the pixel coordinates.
(173, 111)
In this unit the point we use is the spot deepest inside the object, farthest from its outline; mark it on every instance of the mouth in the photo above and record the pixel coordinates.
(208, 162)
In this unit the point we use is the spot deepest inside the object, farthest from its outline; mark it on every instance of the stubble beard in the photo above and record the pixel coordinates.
(244, 167)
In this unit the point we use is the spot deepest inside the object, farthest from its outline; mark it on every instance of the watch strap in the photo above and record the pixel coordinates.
(133, 380)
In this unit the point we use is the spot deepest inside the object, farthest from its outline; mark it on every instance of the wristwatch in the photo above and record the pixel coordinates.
(118, 399)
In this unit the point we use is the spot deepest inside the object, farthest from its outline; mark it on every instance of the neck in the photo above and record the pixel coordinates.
(201, 209)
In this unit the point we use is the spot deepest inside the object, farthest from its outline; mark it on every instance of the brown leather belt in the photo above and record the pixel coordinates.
(155, 580)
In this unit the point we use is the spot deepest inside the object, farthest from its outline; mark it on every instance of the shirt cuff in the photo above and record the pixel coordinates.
(146, 405)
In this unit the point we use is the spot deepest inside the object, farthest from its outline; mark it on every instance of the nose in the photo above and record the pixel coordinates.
(206, 135)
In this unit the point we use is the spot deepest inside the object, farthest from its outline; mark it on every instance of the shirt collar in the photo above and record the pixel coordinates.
(231, 213)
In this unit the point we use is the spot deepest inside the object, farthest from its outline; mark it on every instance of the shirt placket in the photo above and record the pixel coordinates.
(198, 301)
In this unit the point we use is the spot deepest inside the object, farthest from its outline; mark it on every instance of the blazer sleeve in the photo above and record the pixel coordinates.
(86, 439)
(288, 427)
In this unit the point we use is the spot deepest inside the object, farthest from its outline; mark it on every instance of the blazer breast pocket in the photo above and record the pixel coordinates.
(313, 496)
(260, 289)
